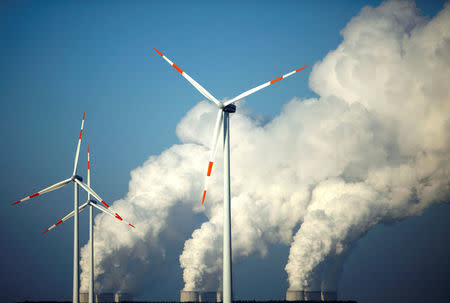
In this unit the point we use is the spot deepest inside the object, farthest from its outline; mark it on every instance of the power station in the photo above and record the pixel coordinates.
(308, 295)
(107, 297)
(329, 296)
(200, 296)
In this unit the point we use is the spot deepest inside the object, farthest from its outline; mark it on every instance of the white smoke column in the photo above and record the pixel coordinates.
(349, 140)
(273, 167)
(160, 188)
(396, 64)
(332, 272)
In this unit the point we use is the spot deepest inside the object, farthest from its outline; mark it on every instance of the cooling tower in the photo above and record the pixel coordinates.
(294, 295)
(189, 296)
(312, 295)
(207, 296)
(329, 296)
(219, 296)
(84, 297)
(123, 297)
(105, 297)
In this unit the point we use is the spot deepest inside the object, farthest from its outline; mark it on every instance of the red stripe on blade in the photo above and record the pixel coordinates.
(118, 217)
(210, 165)
(89, 167)
(275, 80)
(104, 203)
(45, 231)
(81, 132)
(131, 225)
(204, 196)
(34, 195)
(16, 202)
(301, 68)
(59, 222)
(84, 114)
(158, 52)
(177, 68)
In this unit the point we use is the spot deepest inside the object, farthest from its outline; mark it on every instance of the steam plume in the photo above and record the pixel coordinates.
(374, 147)
(395, 64)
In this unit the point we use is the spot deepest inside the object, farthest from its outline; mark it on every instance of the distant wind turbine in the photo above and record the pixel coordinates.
(77, 181)
(224, 109)
(91, 203)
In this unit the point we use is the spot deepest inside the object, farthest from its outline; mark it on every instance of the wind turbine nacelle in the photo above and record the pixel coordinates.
(230, 108)
(79, 178)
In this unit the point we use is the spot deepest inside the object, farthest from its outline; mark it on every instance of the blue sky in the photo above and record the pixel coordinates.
(60, 58)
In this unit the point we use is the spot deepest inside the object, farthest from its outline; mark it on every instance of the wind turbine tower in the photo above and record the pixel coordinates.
(223, 119)
(106, 209)
(78, 181)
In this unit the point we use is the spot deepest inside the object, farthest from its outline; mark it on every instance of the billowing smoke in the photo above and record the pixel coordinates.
(159, 190)
(332, 272)
(374, 147)
(394, 64)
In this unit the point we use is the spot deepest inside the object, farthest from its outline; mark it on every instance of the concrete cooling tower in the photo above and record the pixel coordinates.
(210, 296)
(294, 295)
(83, 297)
(219, 296)
(312, 295)
(308, 295)
(189, 296)
(329, 296)
(107, 297)
(200, 296)
(104, 297)
(123, 297)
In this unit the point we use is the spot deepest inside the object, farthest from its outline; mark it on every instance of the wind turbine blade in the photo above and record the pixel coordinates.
(213, 151)
(112, 214)
(92, 192)
(200, 88)
(78, 147)
(67, 217)
(96, 196)
(45, 190)
(254, 90)
(88, 175)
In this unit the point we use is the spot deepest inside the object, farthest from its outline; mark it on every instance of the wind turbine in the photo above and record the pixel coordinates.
(77, 181)
(107, 210)
(224, 110)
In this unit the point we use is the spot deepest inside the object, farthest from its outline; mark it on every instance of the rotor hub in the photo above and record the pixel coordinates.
(79, 178)
(230, 108)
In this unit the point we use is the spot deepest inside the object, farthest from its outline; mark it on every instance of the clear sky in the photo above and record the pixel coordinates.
(60, 58)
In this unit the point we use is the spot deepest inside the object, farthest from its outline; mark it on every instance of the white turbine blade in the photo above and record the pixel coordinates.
(200, 88)
(213, 151)
(92, 192)
(45, 190)
(89, 175)
(67, 217)
(254, 90)
(78, 147)
(112, 214)
(96, 196)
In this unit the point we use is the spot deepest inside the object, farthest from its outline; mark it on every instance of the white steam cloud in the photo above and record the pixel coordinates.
(374, 147)
(395, 64)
